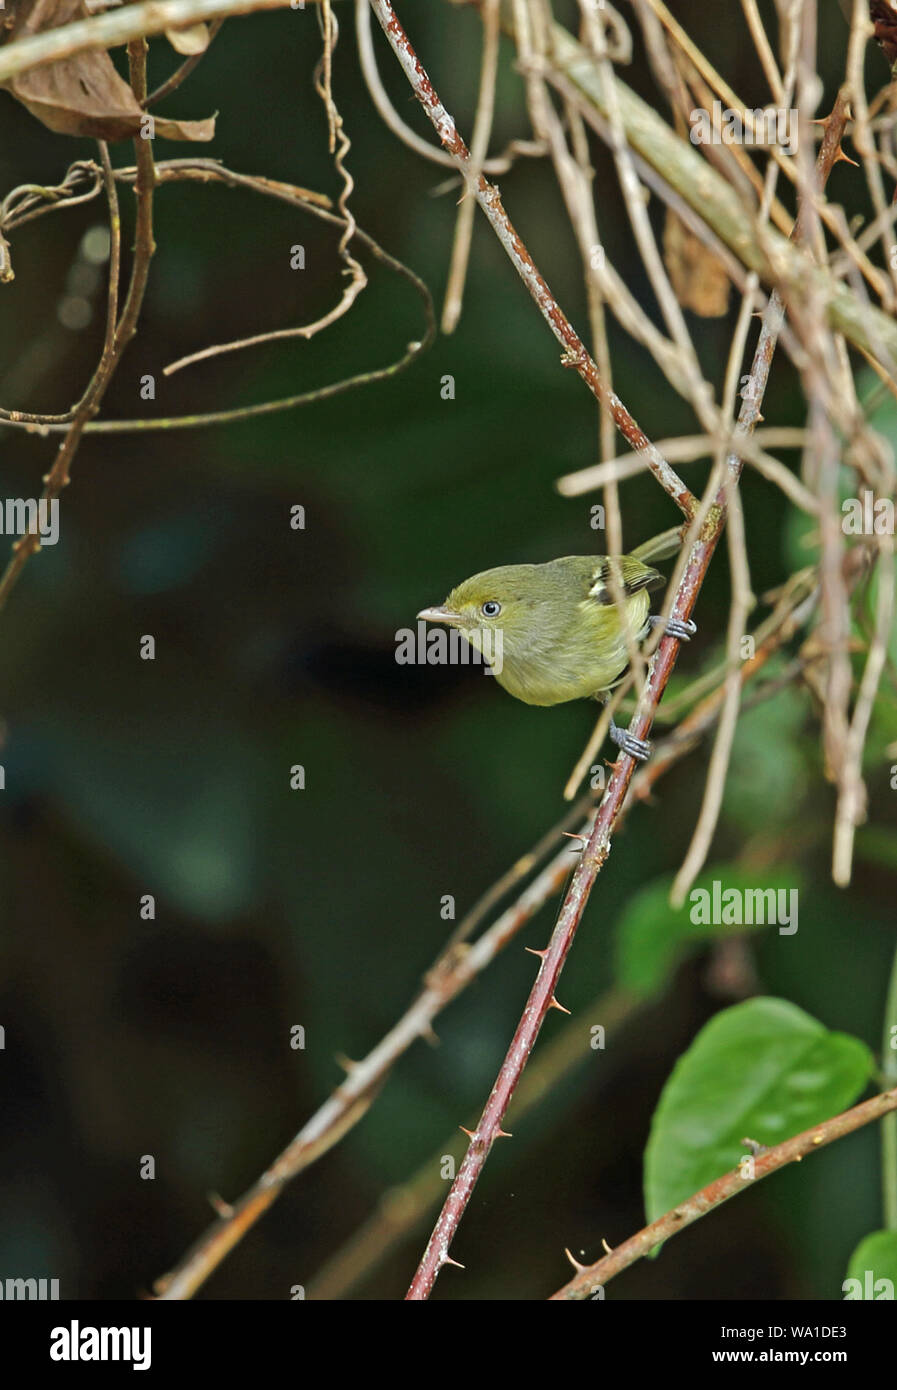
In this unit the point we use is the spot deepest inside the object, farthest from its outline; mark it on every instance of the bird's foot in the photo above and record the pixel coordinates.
(683, 628)
(638, 748)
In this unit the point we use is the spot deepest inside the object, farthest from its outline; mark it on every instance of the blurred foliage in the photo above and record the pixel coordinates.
(764, 1070)
(875, 1256)
(652, 935)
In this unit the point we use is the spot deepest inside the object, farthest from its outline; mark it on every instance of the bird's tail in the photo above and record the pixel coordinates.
(659, 547)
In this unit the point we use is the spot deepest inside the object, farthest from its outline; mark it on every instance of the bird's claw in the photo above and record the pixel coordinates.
(682, 628)
(638, 748)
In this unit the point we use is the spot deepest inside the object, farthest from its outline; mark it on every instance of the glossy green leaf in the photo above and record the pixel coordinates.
(762, 1070)
(873, 1265)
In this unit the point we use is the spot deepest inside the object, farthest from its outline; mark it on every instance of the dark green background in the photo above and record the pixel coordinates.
(275, 647)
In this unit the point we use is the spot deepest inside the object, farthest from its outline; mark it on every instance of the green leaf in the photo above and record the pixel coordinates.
(652, 936)
(877, 844)
(874, 1261)
(762, 1070)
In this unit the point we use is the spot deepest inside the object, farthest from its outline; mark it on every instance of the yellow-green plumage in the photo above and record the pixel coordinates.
(558, 635)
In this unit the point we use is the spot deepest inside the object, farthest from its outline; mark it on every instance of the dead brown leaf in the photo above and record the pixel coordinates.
(84, 95)
(698, 277)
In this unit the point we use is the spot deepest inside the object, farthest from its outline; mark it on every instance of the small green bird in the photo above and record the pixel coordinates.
(553, 632)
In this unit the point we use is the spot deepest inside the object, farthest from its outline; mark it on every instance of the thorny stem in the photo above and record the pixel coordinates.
(456, 969)
(542, 995)
(590, 1278)
(402, 1208)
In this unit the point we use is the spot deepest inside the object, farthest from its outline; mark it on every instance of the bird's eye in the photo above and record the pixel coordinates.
(491, 608)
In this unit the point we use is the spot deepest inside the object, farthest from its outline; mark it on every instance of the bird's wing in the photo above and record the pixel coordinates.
(633, 577)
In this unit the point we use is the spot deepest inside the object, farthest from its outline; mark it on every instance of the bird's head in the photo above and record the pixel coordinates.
(493, 608)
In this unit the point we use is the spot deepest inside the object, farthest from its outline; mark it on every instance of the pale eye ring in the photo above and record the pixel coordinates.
(491, 608)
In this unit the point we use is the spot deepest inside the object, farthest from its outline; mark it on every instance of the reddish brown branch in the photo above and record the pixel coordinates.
(542, 995)
(590, 1278)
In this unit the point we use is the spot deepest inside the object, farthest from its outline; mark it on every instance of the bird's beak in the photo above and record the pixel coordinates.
(439, 615)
